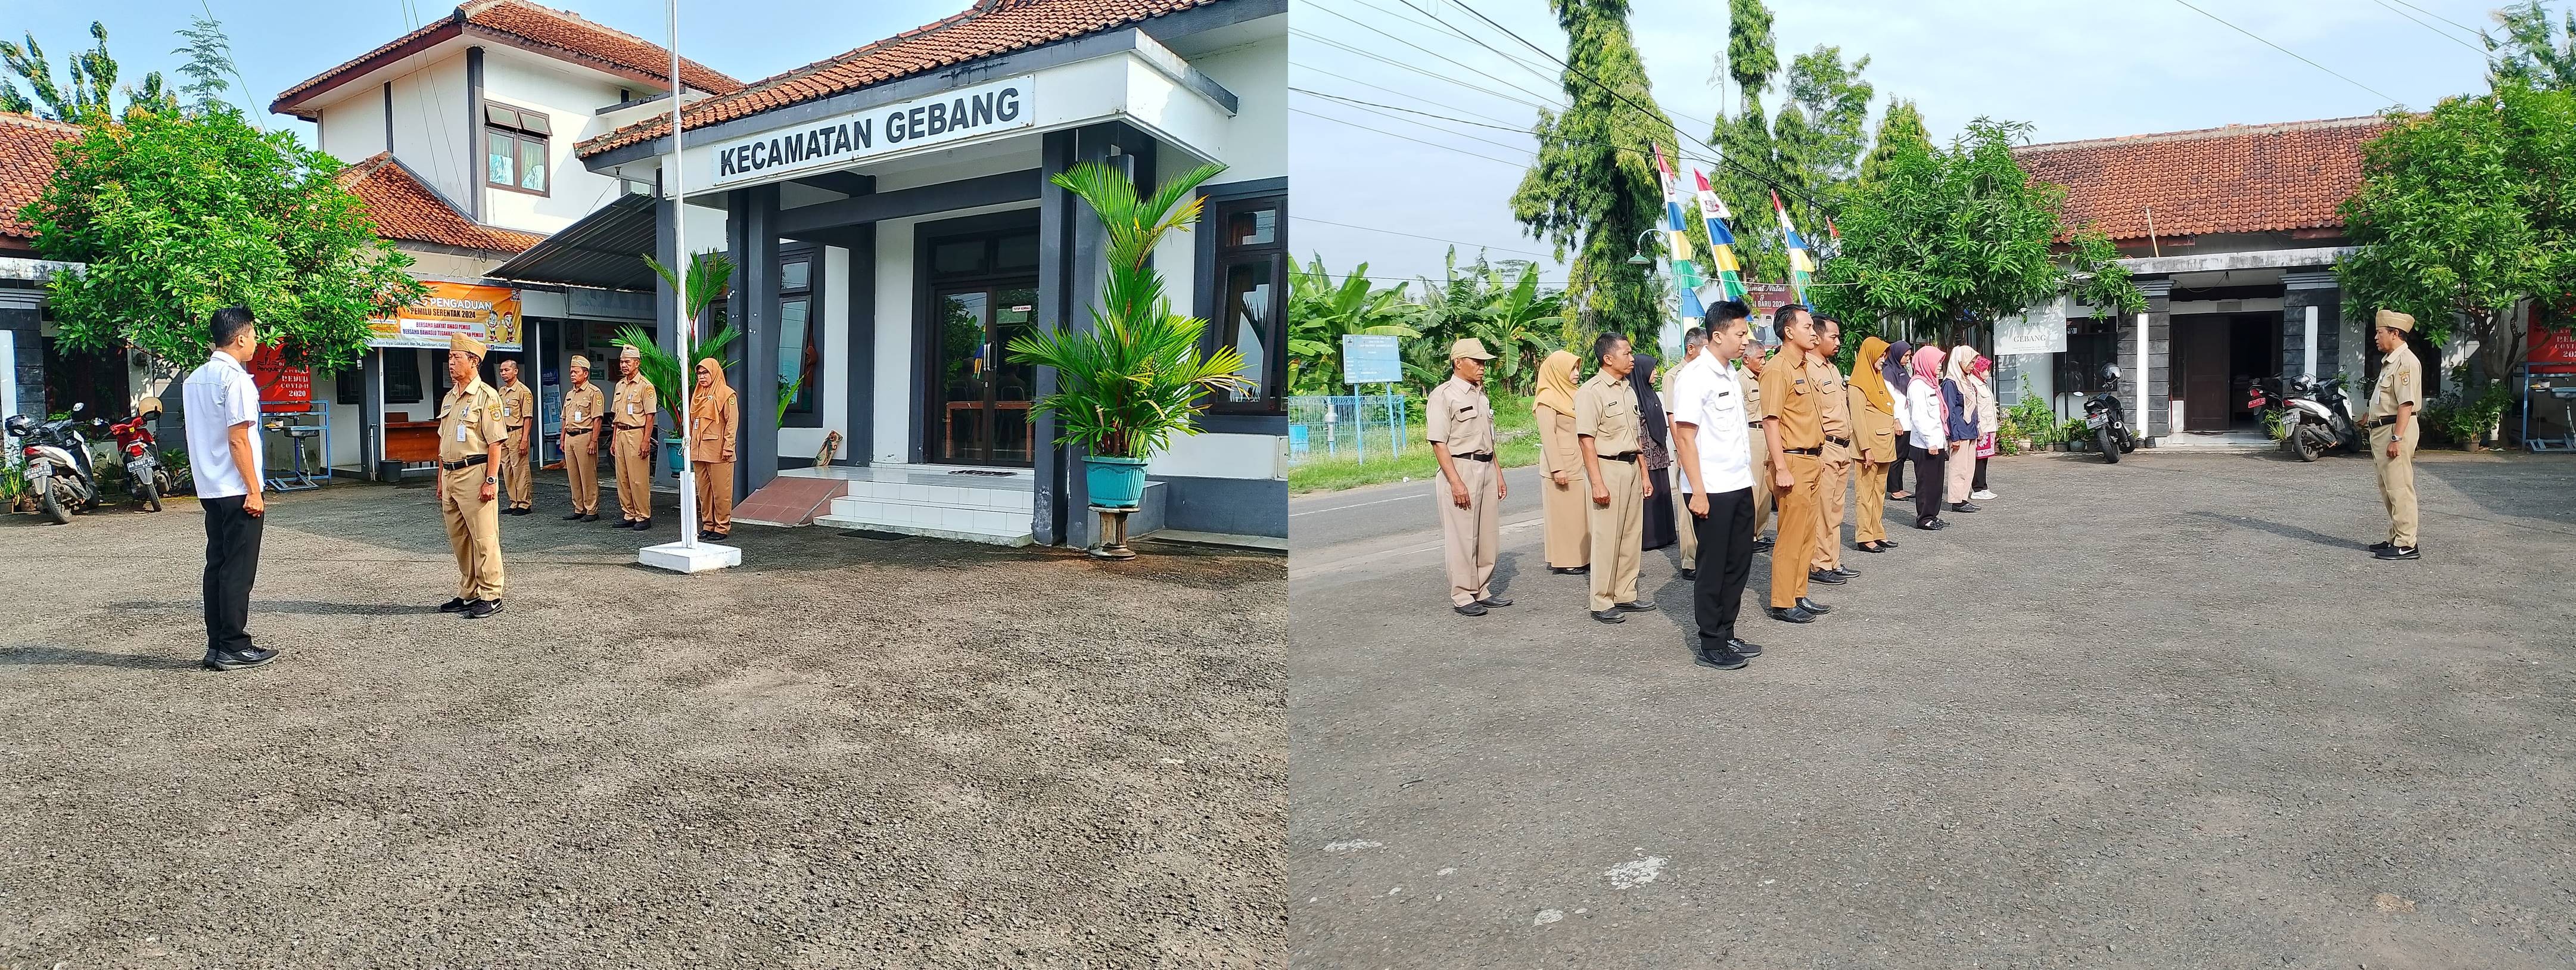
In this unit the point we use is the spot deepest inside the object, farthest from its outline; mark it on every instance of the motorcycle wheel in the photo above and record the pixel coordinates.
(2305, 446)
(161, 485)
(149, 493)
(2110, 448)
(53, 508)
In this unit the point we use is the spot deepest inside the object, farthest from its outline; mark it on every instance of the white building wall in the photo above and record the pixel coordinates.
(1256, 140)
(570, 97)
(353, 128)
(431, 132)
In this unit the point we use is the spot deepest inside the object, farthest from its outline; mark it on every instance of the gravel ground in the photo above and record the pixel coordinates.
(848, 753)
(2161, 714)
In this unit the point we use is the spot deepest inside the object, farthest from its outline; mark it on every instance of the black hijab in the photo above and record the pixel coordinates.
(1650, 409)
(1893, 368)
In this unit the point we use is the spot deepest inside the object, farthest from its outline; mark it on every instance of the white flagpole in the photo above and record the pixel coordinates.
(687, 322)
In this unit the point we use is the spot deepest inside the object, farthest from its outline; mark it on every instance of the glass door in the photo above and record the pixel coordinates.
(982, 400)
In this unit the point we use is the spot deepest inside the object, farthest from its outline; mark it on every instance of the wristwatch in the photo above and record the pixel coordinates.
(489, 480)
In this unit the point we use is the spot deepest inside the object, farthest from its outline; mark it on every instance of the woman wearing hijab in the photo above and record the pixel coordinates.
(712, 414)
(1958, 390)
(1563, 488)
(1897, 371)
(1875, 431)
(1929, 417)
(1989, 421)
(1659, 530)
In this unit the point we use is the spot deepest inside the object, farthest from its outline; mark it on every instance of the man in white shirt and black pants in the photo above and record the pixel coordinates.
(1711, 446)
(223, 454)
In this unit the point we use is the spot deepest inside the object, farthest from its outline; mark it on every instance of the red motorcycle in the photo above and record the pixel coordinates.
(145, 479)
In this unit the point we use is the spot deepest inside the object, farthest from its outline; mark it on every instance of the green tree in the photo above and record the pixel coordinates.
(2464, 212)
(176, 216)
(210, 58)
(1320, 313)
(1810, 151)
(1900, 126)
(1946, 240)
(1594, 189)
(2530, 53)
(1499, 304)
(92, 78)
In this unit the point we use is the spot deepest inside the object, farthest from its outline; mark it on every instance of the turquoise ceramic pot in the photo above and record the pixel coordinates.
(1117, 483)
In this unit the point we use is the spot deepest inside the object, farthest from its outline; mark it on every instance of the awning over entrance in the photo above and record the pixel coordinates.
(605, 249)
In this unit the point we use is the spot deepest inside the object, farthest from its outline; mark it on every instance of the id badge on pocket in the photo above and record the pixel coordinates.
(460, 433)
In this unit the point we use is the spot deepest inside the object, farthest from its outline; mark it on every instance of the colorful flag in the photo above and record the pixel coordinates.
(1686, 276)
(1721, 240)
(1802, 271)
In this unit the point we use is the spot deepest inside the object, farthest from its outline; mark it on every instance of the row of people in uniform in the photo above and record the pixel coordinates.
(482, 429)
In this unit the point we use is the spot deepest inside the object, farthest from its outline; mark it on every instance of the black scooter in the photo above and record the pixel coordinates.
(2109, 421)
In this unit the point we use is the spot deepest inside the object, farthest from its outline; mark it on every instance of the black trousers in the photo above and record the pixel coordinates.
(232, 562)
(1896, 471)
(1928, 463)
(1725, 559)
(1980, 483)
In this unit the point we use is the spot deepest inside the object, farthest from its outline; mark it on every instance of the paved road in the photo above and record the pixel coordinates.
(1336, 519)
(2161, 714)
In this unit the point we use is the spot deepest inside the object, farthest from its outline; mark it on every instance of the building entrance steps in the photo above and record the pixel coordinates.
(964, 503)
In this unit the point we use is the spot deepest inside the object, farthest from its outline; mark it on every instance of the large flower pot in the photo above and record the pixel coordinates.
(671, 461)
(1117, 483)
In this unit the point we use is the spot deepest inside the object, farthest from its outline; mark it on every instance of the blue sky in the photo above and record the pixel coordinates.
(2074, 68)
(281, 42)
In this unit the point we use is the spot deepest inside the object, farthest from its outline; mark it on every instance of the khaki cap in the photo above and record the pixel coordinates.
(461, 344)
(628, 351)
(2392, 318)
(580, 362)
(1469, 347)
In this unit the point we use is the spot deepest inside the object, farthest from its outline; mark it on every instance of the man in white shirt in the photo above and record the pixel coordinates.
(1711, 446)
(1694, 341)
(222, 408)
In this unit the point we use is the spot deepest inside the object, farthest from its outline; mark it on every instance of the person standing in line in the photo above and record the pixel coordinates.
(2392, 425)
(1562, 485)
(1989, 422)
(631, 415)
(518, 405)
(1793, 429)
(1835, 471)
(1927, 413)
(1654, 458)
(1694, 343)
(1958, 390)
(1878, 425)
(712, 410)
(1708, 414)
(1458, 420)
(1606, 423)
(1898, 371)
(579, 439)
(1750, 362)
(470, 433)
(223, 410)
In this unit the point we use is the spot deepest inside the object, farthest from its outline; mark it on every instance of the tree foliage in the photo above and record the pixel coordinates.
(176, 216)
(1321, 312)
(1809, 151)
(209, 59)
(1500, 304)
(1594, 189)
(1949, 239)
(86, 95)
(2531, 53)
(2465, 211)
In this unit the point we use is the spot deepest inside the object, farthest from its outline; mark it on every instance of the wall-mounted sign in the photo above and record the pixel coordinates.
(2042, 331)
(2550, 346)
(839, 141)
(486, 313)
(281, 388)
(1370, 360)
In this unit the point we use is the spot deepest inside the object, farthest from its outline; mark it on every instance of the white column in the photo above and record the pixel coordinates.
(2145, 422)
(2312, 340)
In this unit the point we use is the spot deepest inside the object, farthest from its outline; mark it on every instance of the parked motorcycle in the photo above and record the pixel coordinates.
(58, 469)
(145, 479)
(2109, 421)
(2315, 419)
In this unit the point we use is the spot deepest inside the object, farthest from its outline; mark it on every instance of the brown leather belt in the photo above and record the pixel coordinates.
(2377, 422)
(1485, 456)
(568, 432)
(630, 427)
(466, 462)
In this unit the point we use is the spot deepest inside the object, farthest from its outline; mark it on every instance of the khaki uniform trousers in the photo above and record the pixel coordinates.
(1763, 494)
(514, 469)
(715, 496)
(1682, 516)
(1799, 524)
(634, 475)
(581, 466)
(1833, 496)
(1960, 476)
(474, 532)
(1473, 534)
(1618, 535)
(2396, 483)
(1869, 514)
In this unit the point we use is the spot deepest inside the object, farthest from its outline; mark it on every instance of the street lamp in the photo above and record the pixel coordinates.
(1639, 258)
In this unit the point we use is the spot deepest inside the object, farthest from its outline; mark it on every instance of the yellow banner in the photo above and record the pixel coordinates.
(486, 313)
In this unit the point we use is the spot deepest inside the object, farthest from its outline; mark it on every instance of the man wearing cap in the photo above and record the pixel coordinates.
(470, 433)
(1459, 422)
(517, 405)
(631, 415)
(579, 440)
(1606, 423)
(2392, 431)
(1793, 415)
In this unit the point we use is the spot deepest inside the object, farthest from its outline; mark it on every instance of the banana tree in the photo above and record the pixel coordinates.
(1321, 313)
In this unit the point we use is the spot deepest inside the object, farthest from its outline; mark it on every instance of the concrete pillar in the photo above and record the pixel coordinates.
(1071, 266)
(755, 257)
(2156, 373)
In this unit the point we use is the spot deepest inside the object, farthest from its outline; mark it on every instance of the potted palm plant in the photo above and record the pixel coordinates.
(1136, 376)
(709, 275)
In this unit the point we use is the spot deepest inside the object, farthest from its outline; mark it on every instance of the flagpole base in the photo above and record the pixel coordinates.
(681, 557)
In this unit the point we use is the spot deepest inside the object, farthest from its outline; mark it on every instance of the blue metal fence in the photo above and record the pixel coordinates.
(1363, 428)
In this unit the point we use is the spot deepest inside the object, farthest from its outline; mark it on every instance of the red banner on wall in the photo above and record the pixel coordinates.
(281, 388)
(2550, 346)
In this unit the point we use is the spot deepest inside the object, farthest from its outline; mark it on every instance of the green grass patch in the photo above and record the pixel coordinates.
(1515, 440)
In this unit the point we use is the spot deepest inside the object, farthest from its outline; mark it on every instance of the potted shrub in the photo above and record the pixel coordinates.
(1135, 377)
(709, 275)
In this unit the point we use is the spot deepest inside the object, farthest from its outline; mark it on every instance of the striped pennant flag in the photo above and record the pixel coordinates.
(1802, 270)
(1721, 240)
(1686, 275)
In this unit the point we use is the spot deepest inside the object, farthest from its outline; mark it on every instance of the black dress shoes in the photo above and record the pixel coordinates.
(2397, 552)
(1634, 606)
(1570, 570)
(1814, 607)
(643, 525)
(1470, 609)
(1791, 615)
(1966, 507)
(1931, 525)
(1689, 575)
(1747, 649)
(238, 659)
(1610, 616)
(1722, 658)
(1495, 601)
(1827, 578)
(575, 517)
(482, 608)
(1889, 543)
(1761, 545)
(456, 605)
(2377, 546)
(1845, 572)
(590, 516)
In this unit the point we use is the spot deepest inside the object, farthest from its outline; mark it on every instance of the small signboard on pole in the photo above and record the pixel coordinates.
(2040, 331)
(1370, 360)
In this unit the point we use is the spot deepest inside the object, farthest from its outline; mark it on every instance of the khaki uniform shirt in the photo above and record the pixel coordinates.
(517, 406)
(469, 421)
(1833, 403)
(635, 403)
(2401, 381)
(1605, 410)
(1459, 416)
(1752, 393)
(1876, 438)
(582, 406)
(713, 438)
(1790, 396)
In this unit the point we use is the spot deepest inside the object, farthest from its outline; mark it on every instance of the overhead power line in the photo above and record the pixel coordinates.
(1417, 69)
(1373, 29)
(1418, 141)
(2302, 59)
(1455, 242)
(1293, 62)
(2437, 32)
(2471, 31)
